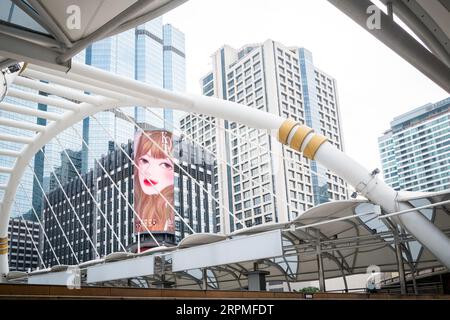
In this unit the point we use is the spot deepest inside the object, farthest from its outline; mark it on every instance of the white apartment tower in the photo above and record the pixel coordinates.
(258, 179)
(415, 151)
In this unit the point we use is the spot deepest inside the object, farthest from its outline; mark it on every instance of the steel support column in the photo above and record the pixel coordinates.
(396, 38)
(205, 278)
(401, 268)
(21, 50)
(320, 265)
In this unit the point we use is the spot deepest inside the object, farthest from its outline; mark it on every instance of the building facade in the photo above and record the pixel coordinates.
(111, 183)
(415, 151)
(252, 166)
(24, 242)
(152, 53)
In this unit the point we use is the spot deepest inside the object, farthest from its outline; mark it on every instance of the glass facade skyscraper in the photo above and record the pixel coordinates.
(115, 54)
(9, 12)
(174, 69)
(415, 151)
(139, 53)
(22, 200)
(313, 119)
(160, 61)
(149, 65)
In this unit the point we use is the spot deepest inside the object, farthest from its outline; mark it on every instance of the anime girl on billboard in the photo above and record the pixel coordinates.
(153, 177)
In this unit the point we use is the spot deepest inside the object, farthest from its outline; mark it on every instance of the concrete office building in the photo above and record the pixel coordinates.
(23, 239)
(415, 151)
(191, 202)
(152, 53)
(280, 80)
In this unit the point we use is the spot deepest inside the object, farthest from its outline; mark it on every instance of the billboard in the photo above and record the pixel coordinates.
(153, 181)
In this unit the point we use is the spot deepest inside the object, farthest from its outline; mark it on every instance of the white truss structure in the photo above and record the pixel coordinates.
(87, 91)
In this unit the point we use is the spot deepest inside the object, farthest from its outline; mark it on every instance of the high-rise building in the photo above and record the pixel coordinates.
(10, 13)
(116, 54)
(160, 61)
(28, 193)
(280, 80)
(174, 70)
(23, 239)
(152, 53)
(191, 201)
(22, 199)
(415, 151)
(66, 171)
(46, 162)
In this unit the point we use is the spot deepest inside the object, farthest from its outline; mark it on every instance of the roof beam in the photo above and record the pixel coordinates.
(30, 111)
(21, 125)
(48, 23)
(6, 170)
(33, 14)
(147, 17)
(413, 22)
(60, 91)
(34, 37)
(21, 50)
(6, 63)
(60, 103)
(17, 139)
(9, 153)
(396, 38)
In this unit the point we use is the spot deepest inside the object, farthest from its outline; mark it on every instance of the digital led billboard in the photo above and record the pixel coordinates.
(153, 181)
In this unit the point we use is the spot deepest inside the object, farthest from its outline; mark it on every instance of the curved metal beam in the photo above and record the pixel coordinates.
(130, 92)
(425, 34)
(397, 39)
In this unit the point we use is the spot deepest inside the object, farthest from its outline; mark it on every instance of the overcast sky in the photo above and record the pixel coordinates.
(374, 83)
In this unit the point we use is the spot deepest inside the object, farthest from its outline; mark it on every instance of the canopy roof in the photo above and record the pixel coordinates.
(50, 33)
(428, 49)
(347, 245)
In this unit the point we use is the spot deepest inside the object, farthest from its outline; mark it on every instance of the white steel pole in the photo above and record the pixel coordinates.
(301, 138)
(380, 193)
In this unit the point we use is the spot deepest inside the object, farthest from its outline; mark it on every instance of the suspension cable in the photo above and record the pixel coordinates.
(117, 188)
(250, 141)
(40, 224)
(414, 209)
(54, 214)
(70, 204)
(137, 167)
(32, 240)
(182, 169)
(231, 165)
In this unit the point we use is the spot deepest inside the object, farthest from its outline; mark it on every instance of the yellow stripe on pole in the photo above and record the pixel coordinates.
(299, 136)
(285, 129)
(314, 145)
